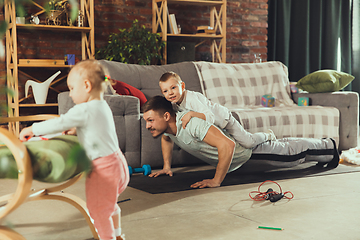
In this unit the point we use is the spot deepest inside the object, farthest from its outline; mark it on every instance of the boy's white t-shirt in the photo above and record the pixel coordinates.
(94, 124)
(215, 113)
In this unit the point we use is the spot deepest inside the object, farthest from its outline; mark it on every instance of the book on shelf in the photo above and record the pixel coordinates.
(206, 32)
(205, 29)
(173, 24)
(169, 23)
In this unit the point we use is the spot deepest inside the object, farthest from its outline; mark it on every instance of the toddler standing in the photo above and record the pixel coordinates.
(173, 89)
(94, 123)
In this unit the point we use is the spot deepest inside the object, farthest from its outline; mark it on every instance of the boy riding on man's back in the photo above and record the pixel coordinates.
(173, 89)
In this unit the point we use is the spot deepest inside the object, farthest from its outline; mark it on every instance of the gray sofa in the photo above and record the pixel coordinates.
(141, 148)
(137, 144)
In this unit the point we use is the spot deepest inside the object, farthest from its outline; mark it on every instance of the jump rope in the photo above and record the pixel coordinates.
(270, 194)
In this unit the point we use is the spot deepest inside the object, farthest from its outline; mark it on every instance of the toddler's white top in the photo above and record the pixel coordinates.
(94, 124)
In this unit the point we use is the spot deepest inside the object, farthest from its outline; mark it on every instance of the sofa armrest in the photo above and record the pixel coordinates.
(347, 103)
(126, 112)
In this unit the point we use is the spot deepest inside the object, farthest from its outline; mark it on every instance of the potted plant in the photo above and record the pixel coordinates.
(135, 45)
(20, 15)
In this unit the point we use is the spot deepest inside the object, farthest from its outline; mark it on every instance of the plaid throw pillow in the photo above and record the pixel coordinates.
(242, 85)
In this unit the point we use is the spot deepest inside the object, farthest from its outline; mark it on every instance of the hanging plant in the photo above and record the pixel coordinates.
(135, 45)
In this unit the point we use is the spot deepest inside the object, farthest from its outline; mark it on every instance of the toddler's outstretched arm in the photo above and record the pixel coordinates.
(26, 133)
(71, 131)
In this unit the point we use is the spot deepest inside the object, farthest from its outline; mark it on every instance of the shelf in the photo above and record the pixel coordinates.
(194, 2)
(14, 68)
(11, 66)
(216, 17)
(53, 28)
(38, 105)
(13, 105)
(196, 35)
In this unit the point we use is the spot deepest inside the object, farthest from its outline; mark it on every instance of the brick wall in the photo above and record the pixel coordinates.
(246, 23)
(246, 29)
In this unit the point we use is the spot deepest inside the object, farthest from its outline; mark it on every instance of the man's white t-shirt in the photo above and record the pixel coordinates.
(191, 138)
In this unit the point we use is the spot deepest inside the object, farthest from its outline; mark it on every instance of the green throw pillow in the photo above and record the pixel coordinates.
(324, 81)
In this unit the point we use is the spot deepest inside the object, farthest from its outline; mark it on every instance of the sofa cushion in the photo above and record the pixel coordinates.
(146, 78)
(109, 90)
(295, 121)
(243, 85)
(240, 87)
(324, 81)
(122, 88)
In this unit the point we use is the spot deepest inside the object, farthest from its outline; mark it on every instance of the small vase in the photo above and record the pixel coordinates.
(40, 90)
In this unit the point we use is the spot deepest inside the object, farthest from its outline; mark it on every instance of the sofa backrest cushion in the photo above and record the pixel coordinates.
(243, 85)
(146, 78)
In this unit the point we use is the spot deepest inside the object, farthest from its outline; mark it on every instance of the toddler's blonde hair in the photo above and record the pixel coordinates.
(166, 76)
(92, 70)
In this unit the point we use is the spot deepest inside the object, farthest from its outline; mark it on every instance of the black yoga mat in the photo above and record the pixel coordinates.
(181, 181)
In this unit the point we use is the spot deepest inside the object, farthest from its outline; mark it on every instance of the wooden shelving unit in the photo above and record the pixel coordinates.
(217, 21)
(12, 62)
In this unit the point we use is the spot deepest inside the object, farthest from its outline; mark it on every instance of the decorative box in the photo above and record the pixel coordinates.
(70, 59)
(303, 101)
(268, 101)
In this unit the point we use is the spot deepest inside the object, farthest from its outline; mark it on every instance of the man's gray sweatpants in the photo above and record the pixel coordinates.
(288, 152)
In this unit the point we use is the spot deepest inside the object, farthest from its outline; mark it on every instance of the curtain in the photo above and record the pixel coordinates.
(310, 35)
(356, 46)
